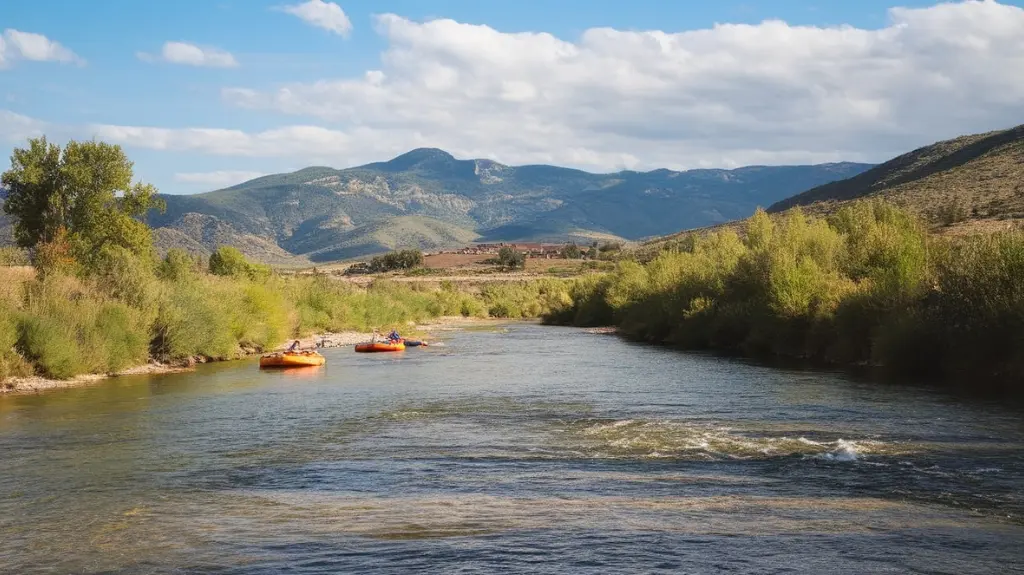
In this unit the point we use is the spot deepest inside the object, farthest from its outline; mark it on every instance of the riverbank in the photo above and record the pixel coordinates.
(868, 287)
(40, 384)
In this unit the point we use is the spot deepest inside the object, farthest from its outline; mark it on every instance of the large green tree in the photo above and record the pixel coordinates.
(85, 191)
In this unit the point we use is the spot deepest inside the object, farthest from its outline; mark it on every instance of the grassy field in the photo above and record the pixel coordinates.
(472, 269)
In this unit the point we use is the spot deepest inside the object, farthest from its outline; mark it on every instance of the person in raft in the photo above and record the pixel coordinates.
(376, 334)
(294, 346)
(393, 337)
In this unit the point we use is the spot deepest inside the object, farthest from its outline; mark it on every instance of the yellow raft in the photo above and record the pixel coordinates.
(370, 347)
(292, 359)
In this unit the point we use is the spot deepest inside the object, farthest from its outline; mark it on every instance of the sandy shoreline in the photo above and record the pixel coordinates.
(38, 384)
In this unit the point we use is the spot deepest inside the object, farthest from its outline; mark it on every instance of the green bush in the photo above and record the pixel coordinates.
(400, 260)
(866, 285)
(11, 362)
(228, 261)
(510, 259)
(192, 319)
(179, 266)
(67, 328)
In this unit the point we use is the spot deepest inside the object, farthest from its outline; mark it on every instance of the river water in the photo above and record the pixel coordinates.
(519, 449)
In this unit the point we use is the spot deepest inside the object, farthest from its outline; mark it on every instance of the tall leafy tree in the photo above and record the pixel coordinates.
(84, 192)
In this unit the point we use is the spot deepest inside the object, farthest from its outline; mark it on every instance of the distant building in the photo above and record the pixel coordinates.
(531, 249)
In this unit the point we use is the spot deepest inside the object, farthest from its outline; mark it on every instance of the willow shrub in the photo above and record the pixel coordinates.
(526, 299)
(867, 284)
(11, 362)
(191, 321)
(977, 305)
(67, 327)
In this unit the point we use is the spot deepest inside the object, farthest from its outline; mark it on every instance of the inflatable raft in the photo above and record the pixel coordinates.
(371, 347)
(292, 359)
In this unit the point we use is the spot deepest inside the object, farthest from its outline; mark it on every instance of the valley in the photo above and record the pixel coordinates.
(426, 199)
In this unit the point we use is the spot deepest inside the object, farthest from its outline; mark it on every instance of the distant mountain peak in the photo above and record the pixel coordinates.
(325, 214)
(420, 156)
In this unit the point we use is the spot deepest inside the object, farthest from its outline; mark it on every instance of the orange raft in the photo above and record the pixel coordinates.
(292, 359)
(370, 347)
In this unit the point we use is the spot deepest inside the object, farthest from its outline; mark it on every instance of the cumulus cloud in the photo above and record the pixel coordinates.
(326, 15)
(288, 141)
(16, 128)
(729, 95)
(192, 55)
(220, 178)
(726, 96)
(17, 45)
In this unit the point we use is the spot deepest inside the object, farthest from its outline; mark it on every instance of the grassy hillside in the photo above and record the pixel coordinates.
(391, 234)
(968, 183)
(321, 212)
(201, 234)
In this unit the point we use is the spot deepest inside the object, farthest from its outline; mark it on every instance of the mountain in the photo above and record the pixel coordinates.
(428, 199)
(972, 181)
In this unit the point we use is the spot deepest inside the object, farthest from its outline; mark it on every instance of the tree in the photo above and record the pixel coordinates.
(404, 259)
(85, 191)
(509, 258)
(571, 252)
(179, 266)
(228, 261)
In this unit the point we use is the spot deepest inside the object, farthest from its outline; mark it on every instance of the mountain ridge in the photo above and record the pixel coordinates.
(312, 211)
(435, 200)
(968, 183)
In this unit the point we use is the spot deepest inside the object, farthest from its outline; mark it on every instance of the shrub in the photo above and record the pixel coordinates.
(191, 320)
(179, 266)
(510, 259)
(67, 328)
(11, 362)
(866, 284)
(228, 261)
(400, 260)
(11, 256)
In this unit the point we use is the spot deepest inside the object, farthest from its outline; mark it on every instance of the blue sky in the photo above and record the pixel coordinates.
(597, 84)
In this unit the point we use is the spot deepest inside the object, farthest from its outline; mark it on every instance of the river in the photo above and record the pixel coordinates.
(516, 449)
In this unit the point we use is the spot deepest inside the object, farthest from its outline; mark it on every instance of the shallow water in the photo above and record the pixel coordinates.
(528, 449)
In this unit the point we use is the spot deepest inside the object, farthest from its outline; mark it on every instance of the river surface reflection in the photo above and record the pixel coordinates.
(522, 449)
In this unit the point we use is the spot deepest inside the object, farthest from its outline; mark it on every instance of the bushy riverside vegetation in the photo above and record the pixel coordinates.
(866, 285)
(59, 325)
(99, 300)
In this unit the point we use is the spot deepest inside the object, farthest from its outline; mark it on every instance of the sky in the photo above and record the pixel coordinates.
(204, 94)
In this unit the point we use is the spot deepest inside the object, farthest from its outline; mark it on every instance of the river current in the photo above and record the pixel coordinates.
(516, 449)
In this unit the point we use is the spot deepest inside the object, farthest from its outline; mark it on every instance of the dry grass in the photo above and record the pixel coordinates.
(11, 280)
(967, 179)
(449, 261)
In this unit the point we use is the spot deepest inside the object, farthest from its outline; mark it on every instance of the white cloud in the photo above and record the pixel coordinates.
(16, 128)
(220, 178)
(326, 15)
(192, 55)
(301, 141)
(729, 95)
(17, 45)
(726, 96)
